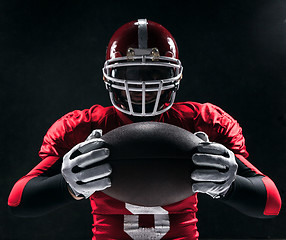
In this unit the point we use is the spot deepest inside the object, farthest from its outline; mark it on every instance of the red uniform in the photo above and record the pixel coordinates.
(114, 219)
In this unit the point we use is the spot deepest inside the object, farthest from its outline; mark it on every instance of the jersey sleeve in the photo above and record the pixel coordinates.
(43, 188)
(252, 193)
(220, 127)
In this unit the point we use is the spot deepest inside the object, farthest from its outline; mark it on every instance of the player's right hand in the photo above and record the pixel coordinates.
(83, 168)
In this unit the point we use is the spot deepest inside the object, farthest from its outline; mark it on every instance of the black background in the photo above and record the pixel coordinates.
(51, 55)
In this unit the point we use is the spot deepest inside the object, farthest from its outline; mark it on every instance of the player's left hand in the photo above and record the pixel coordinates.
(216, 168)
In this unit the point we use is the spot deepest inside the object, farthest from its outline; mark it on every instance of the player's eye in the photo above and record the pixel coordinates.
(143, 73)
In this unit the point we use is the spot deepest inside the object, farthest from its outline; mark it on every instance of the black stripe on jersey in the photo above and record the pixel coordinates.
(245, 171)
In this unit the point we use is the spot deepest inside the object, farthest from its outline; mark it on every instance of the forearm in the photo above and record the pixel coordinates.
(254, 196)
(40, 195)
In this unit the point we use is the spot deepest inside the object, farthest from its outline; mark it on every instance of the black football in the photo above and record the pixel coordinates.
(151, 163)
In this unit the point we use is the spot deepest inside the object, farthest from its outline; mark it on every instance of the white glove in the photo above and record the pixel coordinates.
(216, 168)
(79, 171)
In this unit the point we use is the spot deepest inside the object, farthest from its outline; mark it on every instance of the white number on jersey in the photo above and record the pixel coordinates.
(161, 223)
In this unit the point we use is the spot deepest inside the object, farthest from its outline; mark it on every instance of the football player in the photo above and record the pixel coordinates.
(142, 74)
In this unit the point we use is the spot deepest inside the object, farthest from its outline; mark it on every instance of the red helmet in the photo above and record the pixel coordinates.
(142, 71)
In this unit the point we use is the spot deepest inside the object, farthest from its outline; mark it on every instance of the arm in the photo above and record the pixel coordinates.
(44, 189)
(233, 180)
(40, 191)
(78, 175)
(253, 193)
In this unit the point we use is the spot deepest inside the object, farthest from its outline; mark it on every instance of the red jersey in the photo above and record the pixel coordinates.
(114, 219)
